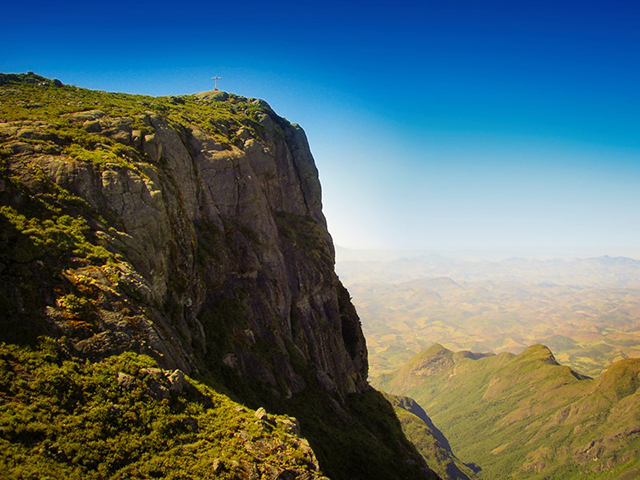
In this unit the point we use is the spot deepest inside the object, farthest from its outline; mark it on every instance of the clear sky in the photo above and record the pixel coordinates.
(434, 124)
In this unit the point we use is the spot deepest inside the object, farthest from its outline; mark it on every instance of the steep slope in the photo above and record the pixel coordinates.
(526, 416)
(188, 229)
(430, 442)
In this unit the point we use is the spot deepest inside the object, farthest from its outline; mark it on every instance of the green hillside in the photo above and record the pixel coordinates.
(526, 416)
(428, 439)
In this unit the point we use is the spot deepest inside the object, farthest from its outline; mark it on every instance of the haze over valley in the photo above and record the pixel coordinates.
(518, 367)
(587, 310)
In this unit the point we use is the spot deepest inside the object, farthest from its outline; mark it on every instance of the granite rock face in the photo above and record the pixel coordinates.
(223, 250)
(189, 229)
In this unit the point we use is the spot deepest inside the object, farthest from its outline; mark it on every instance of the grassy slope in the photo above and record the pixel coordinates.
(75, 419)
(31, 97)
(525, 416)
(429, 441)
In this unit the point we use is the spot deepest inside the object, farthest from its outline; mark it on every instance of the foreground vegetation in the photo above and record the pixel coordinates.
(126, 418)
(30, 97)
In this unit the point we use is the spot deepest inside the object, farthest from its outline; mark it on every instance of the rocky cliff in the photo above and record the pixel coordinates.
(189, 229)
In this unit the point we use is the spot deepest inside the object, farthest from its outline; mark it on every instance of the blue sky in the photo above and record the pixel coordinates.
(435, 125)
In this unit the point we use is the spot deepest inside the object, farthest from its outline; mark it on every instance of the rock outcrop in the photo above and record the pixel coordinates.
(186, 228)
(208, 234)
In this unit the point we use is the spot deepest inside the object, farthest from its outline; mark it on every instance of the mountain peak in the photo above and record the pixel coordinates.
(189, 229)
(621, 379)
(539, 352)
(434, 349)
(212, 95)
(26, 78)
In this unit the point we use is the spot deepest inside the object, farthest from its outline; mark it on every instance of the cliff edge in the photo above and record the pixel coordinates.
(188, 229)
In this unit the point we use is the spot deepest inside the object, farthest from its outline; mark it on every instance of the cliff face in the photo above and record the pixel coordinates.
(186, 228)
(208, 235)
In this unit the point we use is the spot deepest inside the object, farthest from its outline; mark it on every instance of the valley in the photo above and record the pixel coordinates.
(586, 310)
(525, 368)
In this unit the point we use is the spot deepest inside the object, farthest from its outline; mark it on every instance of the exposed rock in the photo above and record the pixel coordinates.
(91, 126)
(213, 95)
(177, 381)
(230, 360)
(33, 134)
(85, 115)
(325, 381)
(20, 147)
(291, 424)
(157, 390)
(126, 381)
(199, 241)
(154, 372)
(261, 414)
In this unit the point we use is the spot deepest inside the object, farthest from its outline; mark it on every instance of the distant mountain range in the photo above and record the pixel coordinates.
(355, 266)
(587, 310)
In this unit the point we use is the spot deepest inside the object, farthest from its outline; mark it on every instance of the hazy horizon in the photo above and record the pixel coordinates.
(587, 310)
(354, 254)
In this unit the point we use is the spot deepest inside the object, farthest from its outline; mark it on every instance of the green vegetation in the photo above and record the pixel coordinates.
(526, 416)
(55, 236)
(106, 157)
(428, 440)
(46, 234)
(34, 98)
(120, 418)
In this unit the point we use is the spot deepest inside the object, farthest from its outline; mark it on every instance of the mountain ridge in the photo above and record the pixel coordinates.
(531, 417)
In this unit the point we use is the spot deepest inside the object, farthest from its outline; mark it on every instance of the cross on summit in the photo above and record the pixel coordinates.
(216, 78)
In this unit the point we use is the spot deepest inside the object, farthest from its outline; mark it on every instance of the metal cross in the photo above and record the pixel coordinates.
(216, 78)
